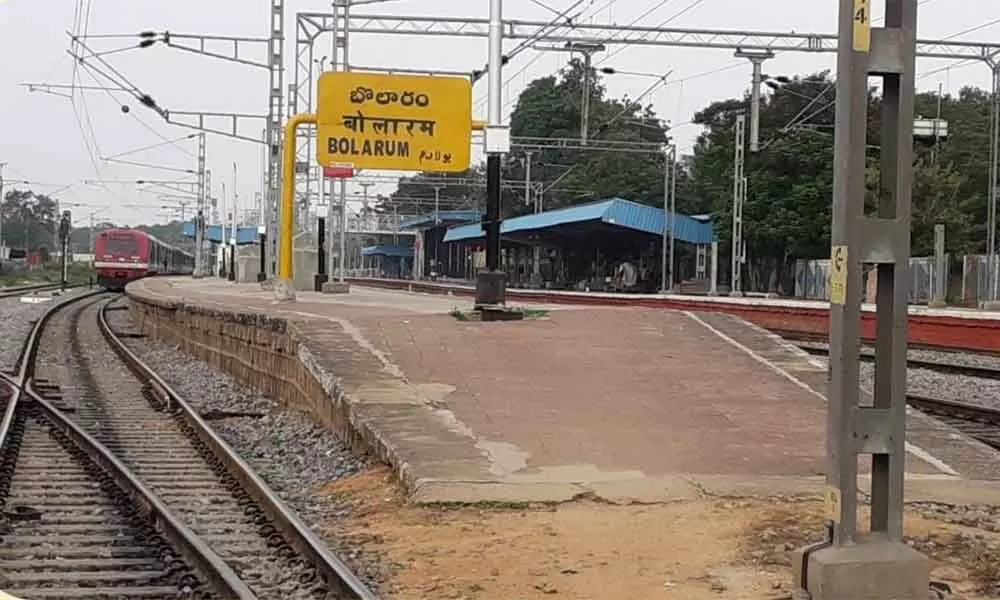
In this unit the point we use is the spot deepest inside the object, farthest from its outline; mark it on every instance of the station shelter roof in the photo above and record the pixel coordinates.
(388, 250)
(616, 212)
(443, 216)
(213, 233)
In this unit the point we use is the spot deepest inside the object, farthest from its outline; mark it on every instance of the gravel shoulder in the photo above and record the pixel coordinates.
(17, 317)
(293, 454)
(926, 382)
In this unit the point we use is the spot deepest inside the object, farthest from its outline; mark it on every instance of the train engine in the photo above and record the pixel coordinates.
(124, 255)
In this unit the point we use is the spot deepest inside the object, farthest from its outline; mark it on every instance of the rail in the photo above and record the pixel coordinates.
(219, 574)
(945, 368)
(334, 572)
(951, 408)
(27, 289)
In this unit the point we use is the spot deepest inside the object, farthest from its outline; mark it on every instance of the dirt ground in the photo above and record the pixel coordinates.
(734, 549)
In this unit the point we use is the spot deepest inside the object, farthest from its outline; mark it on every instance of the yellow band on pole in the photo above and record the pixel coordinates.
(285, 263)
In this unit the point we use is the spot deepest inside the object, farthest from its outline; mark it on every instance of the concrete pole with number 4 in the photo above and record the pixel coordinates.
(850, 565)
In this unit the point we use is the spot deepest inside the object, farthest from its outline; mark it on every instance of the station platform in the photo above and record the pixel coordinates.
(625, 404)
(958, 329)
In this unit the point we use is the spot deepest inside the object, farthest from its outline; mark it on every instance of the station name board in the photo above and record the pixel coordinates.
(394, 122)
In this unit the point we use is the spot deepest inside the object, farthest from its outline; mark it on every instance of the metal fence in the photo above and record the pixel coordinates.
(812, 277)
(975, 279)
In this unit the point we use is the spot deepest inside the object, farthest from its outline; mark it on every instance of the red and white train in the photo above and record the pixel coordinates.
(124, 255)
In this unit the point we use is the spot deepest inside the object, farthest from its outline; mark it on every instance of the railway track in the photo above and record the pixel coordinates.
(946, 368)
(12, 292)
(976, 421)
(821, 338)
(136, 494)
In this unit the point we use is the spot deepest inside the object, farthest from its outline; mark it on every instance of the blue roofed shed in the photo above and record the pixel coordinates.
(388, 251)
(442, 216)
(214, 233)
(587, 219)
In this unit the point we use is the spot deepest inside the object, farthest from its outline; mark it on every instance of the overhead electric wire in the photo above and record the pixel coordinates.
(525, 44)
(796, 121)
(153, 146)
(663, 23)
(538, 56)
(90, 72)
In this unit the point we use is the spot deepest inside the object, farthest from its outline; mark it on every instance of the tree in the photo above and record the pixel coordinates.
(790, 180)
(415, 195)
(29, 220)
(551, 107)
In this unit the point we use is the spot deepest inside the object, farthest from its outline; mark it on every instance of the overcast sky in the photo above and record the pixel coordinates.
(49, 140)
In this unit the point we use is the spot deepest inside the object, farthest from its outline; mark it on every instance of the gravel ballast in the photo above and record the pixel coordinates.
(945, 386)
(289, 450)
(16, 320)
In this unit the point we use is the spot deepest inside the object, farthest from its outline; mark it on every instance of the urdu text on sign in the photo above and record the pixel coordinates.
(394, 122)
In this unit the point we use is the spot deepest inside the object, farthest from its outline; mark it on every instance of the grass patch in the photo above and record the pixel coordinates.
(523, 314)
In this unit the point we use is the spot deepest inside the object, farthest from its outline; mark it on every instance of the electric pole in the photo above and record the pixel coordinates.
(199, 221)
(2, 246)
(490, 284)
(588, 50)
(65, 227)
(437, 221)
(850, 563)
(739, 196)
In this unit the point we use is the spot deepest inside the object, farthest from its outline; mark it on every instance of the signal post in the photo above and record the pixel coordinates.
(877, 564)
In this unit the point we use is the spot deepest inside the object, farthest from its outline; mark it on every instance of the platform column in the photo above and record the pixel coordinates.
(262, 266)
(878, 564)
(320, 278)
(940, 282)
(490, 282)
(713, 288)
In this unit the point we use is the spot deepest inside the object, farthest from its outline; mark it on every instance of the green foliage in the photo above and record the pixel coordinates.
(29, 220)
(415, 195)
(790, 181)
(551, 107)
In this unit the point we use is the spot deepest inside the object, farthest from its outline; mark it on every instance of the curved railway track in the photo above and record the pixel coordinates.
(130, 492)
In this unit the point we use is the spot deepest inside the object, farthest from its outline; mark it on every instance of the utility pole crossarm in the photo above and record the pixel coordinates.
(199, 44)
(197, 120)
(516, 29)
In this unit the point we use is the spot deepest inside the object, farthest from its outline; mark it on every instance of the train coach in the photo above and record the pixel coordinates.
(124, 255)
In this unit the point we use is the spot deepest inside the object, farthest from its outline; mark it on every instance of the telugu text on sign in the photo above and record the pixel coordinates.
(394, 122)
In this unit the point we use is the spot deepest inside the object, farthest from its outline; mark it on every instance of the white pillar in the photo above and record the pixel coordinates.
(714, 286)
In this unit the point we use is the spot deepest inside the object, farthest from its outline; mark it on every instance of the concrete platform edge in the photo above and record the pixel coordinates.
(360, 416)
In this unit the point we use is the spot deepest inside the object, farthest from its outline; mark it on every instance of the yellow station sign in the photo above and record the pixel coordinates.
(394, 122)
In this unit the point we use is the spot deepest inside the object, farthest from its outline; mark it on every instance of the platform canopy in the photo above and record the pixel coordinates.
(388, 251)
(448, 217)
(213, 233)
(587, 219)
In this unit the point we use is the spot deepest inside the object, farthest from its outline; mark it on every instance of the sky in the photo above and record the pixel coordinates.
(61, 145)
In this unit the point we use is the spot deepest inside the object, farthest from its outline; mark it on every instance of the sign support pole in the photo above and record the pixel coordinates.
(490, 284)
(285, 288)
(878, 564)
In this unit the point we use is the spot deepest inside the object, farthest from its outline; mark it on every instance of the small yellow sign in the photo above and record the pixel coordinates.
(831, 497)
(394, 122)
(838, 275)
(862, 26)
